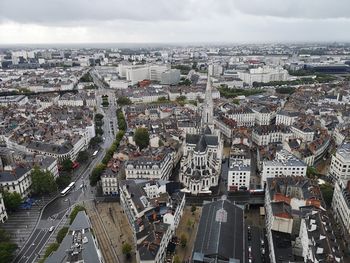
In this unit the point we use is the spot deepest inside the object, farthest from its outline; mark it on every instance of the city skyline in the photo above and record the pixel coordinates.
(167, 22)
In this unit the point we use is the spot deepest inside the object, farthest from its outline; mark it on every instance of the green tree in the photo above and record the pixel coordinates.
(189, 223)
(177, 259)
(162, 99)
(50, 249)
(12, 200)
(63, 181)
(183, 240)
(95, 141)
(43, 182)
(327, 192)
(193, 209)
(96, 174)
(141, 138)
(74, 213)
(7, 248)
(67, 165)
(122, 101)
(83, 156)
(126, 250)
(98, 116)
(311, 172)
(61, 234)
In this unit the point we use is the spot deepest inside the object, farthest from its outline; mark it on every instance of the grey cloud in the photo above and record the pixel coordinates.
(304, 9)
(70, 11)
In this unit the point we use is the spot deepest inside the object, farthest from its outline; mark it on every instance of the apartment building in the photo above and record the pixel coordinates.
(243, 116)
(16, 179)
(284, 164)
(340, 164)
(341, 205)
(286, 117)
(264, 135)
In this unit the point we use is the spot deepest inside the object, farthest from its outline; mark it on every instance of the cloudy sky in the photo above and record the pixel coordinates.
(169, 21)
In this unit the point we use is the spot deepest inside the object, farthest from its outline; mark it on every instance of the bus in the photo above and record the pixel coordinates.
(94, 154)
(67, 189)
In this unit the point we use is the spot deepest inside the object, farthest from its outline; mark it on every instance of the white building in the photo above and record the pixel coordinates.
(263, 115)
(3, 213)
(16, 179)
(285, 164)
(201, 162)
(264, 135)
(341, 205)
(243, 116)
(340, 164)
(170, 77)
(147, 168)
(265, 74)
(304, 133)
(238, 176)
(109, 182)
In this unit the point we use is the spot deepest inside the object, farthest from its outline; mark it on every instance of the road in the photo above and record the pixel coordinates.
(54, 212)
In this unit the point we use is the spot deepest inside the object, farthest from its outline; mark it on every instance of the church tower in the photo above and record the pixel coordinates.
(208, 108)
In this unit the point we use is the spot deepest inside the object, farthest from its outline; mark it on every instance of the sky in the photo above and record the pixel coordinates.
(173, 21)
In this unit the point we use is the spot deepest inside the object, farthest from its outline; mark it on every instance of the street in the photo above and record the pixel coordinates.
(54, 212)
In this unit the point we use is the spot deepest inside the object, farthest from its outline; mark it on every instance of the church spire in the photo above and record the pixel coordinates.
(207, 113)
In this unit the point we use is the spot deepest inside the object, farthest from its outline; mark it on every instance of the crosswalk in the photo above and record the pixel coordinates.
(20, 224)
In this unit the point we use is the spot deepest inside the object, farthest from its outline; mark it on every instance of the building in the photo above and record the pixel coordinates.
(170, 77)
(285, 164)
(340, 164)
(238, 176)
(263, 74)
(157, 167)
(109, 182)
(16, 179)
(263, 115)
(286, 118)
(243, 116)
(153, 214)
(264, 135)
(3, 213)
(297, 226)
(201, 162)
(220, 237)
(303, 132)
(79, 245)
(341, 205)
(17, 100)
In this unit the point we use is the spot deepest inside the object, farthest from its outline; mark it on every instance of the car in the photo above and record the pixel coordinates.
(250, 249)
(81, 186)
(262, 250)
(262, 241)
(250, 260)
(51, 228)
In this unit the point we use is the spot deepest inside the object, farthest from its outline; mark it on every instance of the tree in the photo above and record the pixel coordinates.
(311, 172)
(43, 182)
(83, 156)
(61, 234)
(162, 99)
(12, 200)
(126, 250)
(141, 138)
(7, 248)
(74, 213)
(67, 165)
(193, 209)
(96, 174)
(98, 116)
(122, 101)
(177, 259)
(63, 181)
(50, 249)
(327, 193)
(183, 240)
(95, 141)
(189, 223)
